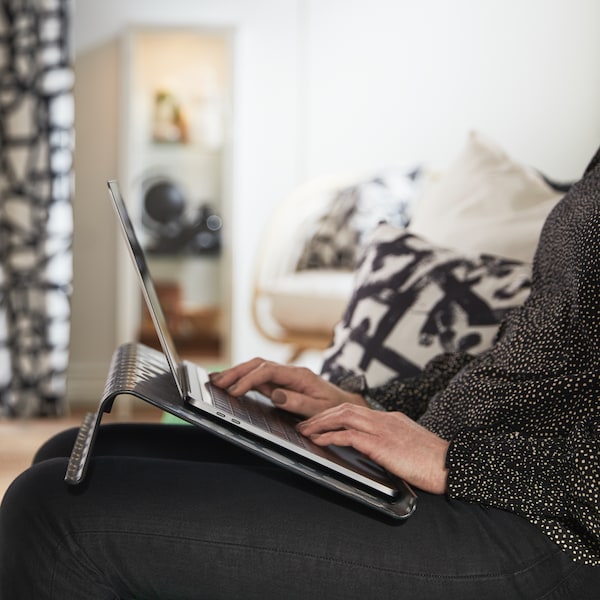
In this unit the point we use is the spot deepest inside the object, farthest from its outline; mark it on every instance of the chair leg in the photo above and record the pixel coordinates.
(295, 354)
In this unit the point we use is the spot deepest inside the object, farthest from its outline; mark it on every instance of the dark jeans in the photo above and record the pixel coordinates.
(167, 512)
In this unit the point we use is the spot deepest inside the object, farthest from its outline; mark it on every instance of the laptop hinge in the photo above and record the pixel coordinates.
(184, 378)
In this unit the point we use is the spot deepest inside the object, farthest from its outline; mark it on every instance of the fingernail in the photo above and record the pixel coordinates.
(278, 397)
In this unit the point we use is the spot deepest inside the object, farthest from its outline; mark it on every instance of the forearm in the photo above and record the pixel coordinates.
(507, 471)
(410, 396)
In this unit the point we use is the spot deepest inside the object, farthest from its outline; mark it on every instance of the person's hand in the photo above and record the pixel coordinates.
(390, 439)
(295, 389)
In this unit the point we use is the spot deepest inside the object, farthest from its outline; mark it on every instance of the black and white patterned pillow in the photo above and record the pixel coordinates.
(412, 301)
(354, 212)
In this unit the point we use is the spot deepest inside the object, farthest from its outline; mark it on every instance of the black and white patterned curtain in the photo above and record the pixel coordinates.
(36, 151)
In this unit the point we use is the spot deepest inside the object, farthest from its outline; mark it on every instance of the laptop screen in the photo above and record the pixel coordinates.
(150, 295)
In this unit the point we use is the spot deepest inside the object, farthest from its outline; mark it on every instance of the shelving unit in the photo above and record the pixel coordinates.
(177, 98)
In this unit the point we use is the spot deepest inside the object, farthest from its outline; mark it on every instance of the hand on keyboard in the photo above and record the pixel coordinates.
(295, 389)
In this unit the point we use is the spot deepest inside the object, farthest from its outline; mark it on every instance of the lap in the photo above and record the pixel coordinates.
(150, 440)
(251, 530)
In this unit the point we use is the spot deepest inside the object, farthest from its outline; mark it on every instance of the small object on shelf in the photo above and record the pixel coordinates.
(170, 125)
(164, 202)
(206, 231)
(171, 229)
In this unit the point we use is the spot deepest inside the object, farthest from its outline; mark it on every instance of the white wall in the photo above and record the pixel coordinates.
(328, 85)
(387, 79)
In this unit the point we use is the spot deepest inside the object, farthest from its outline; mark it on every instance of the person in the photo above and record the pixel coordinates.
(503, 449)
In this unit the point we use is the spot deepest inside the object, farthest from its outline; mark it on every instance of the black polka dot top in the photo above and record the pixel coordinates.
(523, 418)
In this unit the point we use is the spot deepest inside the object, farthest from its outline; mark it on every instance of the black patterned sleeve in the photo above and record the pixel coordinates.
(554, 482)
(412, 395)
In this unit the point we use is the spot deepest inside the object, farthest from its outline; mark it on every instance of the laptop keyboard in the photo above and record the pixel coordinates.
(258, 414)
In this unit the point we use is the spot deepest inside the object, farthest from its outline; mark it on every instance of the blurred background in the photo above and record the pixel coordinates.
(210, 112)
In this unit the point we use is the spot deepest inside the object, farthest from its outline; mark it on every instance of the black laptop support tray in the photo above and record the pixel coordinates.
(135, 370)
(140, 371)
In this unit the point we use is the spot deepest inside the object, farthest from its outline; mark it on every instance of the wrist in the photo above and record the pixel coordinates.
(358, 399)
(356, 386)
(440, 471)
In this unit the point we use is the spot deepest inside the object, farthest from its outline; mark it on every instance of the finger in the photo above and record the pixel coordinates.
(345, 416)
(366, 443)
(296, 402)
(255, 374)
(274, 375)
(228, 377)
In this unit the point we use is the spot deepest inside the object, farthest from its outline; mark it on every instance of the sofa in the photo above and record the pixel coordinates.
(382, 271)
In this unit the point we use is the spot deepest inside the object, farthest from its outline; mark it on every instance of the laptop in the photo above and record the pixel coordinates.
(253, 422)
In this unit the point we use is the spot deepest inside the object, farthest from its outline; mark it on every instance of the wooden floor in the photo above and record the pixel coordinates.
(20, 438)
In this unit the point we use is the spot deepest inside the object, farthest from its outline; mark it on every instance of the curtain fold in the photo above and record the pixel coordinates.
(36, 187)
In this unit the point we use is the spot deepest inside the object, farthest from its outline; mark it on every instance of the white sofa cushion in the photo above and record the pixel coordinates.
(309, 301)
(485, 202)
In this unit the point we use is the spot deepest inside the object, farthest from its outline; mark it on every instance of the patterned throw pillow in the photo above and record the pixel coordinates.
(353, 214)
(412, 301)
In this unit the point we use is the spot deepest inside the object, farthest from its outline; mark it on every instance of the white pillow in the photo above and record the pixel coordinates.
(485, 202)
